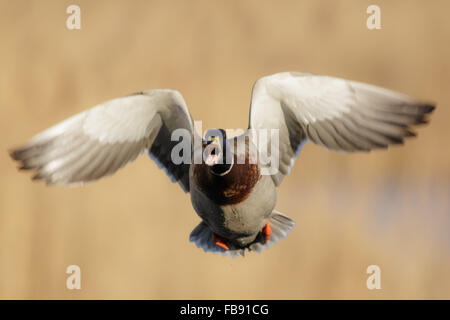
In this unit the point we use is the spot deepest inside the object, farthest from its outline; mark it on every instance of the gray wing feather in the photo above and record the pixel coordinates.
(337, 114)
(98, 142)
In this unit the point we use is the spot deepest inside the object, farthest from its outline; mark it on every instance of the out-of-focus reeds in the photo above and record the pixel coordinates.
(129, 233)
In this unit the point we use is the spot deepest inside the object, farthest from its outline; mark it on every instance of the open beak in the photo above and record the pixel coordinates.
(216, 147)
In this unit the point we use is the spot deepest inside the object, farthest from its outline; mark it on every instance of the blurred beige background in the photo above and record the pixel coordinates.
(129, 233)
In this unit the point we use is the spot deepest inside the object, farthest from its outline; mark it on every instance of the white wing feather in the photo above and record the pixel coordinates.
(99, 141)
(338, 114)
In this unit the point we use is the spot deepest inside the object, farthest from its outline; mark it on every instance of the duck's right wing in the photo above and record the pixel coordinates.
(97, 142)
(337, 114)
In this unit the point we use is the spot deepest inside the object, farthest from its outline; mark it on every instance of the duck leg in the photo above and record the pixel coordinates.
(219, 241)
(267, 231)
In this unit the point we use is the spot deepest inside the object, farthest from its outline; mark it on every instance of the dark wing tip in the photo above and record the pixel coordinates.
(396, 140)
(422, 112)
(24, 156)
(19, 155)
(15, 154)
(428, 108)
(37, 176)
(409, 133)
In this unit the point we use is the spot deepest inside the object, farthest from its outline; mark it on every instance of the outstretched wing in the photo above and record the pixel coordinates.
(335, 113)
(99, 141)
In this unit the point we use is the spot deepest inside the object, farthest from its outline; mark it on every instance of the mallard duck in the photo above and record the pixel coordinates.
(231, 189)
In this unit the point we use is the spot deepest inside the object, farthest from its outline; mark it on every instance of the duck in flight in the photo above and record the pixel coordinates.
(229, 190)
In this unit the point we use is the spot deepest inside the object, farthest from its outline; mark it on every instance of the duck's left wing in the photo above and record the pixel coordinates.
(337, 114)
(99, 141)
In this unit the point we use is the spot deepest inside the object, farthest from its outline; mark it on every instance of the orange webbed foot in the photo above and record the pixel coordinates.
(219, 241)
(266, 231)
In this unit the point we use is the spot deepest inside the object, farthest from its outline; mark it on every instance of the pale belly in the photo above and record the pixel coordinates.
(237, 220)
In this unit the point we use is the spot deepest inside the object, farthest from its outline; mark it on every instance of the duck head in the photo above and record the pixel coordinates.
(217, 154)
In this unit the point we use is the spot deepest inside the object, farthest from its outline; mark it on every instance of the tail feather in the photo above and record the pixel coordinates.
(203, 239)
(280, 224)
